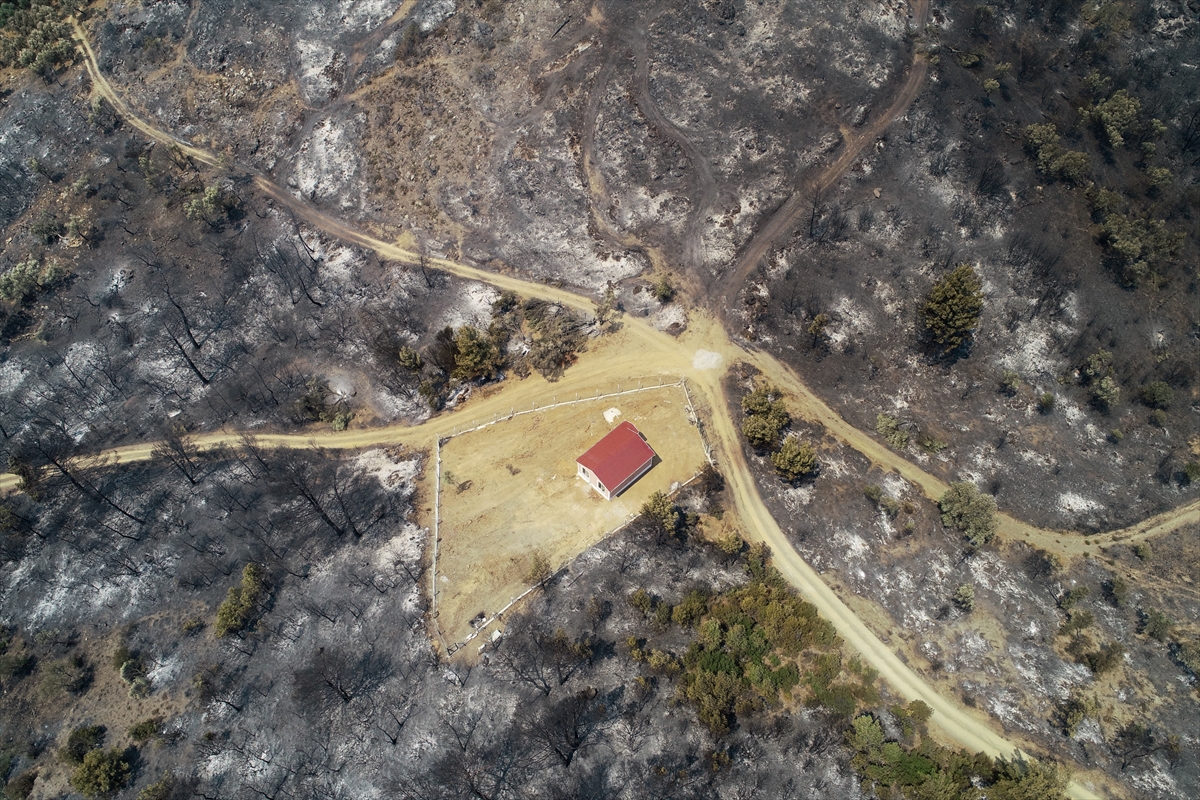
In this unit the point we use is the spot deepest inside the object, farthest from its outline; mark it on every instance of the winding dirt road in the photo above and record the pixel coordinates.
(637, 349)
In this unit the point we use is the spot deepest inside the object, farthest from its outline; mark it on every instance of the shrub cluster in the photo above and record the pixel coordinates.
(26, 280)
(794, 459)
(952, 309)
(315, 406)
(1053, 159)
(102, 773)
(161, 789)
(754, 645)
(888, 427)
(884, 502)
(555, 333)
(1118, 117)
(132, 669)
(766, 419)
(1141, 245)
(212, 204)
(241, 603)
(80, 742)
(522, 336)
(928, 770)
(1098, 375)
(34, 35)
(967, 509)
(660, 508)
(766, 416)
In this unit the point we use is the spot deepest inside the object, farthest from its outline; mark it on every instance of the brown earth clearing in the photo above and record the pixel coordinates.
(509, 491)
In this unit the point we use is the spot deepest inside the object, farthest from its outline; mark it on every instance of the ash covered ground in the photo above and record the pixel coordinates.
(606, 144)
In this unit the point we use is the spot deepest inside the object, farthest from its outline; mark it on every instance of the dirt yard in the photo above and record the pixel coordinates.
(510, 491)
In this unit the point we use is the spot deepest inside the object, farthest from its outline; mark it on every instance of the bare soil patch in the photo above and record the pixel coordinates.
(509, 491)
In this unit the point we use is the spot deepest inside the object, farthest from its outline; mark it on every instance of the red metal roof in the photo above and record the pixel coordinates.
(617, 456)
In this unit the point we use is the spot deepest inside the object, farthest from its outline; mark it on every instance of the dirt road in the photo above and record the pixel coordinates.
(638, 349)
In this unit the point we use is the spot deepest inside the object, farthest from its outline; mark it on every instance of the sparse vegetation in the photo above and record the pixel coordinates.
(1072, 596)
(1117, 590)
(539, 570)
(320, 404)
(410, 359)
(885, 503)
(930, 443)
(558, 334)
(1188, 654)
(1078, 620)
(70, 675)
(964, 597)
(1157, 625)
(146, 730)
(1103, 660)
(47, 229)
(818, 329)
(1076, 709)
(1097, 373)
(664, 292)
(1158, 395)
(21, 786)
(160, 789)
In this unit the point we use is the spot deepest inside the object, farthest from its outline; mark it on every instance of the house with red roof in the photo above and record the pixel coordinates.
(612, 464)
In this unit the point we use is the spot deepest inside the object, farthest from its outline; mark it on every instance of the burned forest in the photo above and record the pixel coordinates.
(309, 312)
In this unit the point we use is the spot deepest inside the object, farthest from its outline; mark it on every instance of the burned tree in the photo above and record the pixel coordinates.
(531, 655)
(175, 449)
(564, 728)
(335, 677)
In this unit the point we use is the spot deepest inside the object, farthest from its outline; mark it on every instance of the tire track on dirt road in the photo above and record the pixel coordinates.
(638, 349)
(706, 183)
(103, 88)
(593, 179)
(785, 218)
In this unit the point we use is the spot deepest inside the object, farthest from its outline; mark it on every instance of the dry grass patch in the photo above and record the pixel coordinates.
(509, 492)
